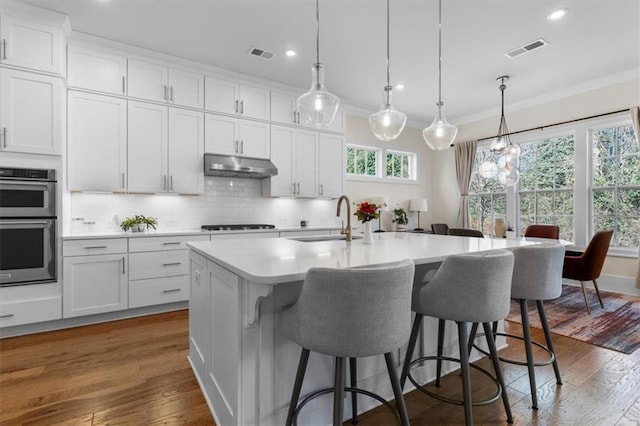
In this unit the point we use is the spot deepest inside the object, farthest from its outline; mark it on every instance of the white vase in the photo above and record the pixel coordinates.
(367, 235)
(511, 235)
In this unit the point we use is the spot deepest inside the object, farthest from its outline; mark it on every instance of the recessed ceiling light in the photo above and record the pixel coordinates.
(290, 53)
(557, 14)
(400, 86)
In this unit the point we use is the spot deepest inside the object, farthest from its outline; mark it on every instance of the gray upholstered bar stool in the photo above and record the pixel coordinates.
(351, 313)
(466, 289)
(537, 275)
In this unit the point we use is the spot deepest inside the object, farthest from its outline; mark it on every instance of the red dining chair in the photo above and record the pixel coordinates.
(587, 266)
(543, 231)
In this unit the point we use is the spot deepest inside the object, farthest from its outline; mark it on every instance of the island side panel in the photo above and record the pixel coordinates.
(199, 315)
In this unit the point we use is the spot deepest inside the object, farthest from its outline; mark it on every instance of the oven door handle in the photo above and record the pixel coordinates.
(17, 182)
(24, 222)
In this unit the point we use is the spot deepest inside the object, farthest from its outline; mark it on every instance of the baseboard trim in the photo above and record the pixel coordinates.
(614, 283)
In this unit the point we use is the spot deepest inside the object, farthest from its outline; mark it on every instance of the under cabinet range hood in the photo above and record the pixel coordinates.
(242, 167)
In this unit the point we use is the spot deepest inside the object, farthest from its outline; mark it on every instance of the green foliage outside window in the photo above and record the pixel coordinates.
(362, 161)
(399, 165)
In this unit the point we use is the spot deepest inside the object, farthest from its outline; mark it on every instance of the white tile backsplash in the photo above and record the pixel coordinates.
(225, 200)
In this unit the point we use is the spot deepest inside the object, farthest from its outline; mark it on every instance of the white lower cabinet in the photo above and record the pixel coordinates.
(159, 269)
(26, 304)
(94, 284)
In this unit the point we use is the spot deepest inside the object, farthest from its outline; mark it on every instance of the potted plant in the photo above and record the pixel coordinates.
(138, 223)
(510, 233)
(400, 218)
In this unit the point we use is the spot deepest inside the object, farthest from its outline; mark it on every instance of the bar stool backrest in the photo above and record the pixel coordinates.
(355, 312)
(537, 272)
(469, 288)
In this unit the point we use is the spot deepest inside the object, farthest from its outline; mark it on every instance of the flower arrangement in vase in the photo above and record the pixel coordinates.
(400, 219)
(366, 212)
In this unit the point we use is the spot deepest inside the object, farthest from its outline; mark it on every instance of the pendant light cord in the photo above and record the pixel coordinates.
(317, 32)
(388, 66)
(439, 55)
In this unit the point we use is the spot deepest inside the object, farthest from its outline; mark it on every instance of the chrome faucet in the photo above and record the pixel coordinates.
(346, 231)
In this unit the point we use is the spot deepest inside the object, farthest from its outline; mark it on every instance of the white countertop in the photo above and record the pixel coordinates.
(170, 232)
(278, 260)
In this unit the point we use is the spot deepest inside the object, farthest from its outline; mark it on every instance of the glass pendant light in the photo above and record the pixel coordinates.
(318, 107)
(440, 134)
(502, 140)
(387, 123)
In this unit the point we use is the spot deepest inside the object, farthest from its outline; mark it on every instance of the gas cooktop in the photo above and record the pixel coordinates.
(236, 227)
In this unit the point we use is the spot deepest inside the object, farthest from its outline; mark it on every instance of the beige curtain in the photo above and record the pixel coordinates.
(635, 118)
(465, 153)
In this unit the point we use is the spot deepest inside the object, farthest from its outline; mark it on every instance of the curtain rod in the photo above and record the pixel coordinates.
(560, 123)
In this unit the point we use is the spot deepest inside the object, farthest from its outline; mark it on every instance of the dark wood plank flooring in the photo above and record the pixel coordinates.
(135, 372)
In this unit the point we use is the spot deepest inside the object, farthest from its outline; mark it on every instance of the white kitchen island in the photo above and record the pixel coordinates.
(245, 364)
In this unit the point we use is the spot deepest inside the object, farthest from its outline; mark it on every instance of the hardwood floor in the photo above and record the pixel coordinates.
(135, 372)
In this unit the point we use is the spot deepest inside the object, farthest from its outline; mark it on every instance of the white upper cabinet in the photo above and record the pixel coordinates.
(158, 83)
(330, 165)
(32, 45)
(229, 97)
(306, 163)
(233, 136)
(186, 151)
(95, 70)
(147, 147)
(97, 142)
(165, 149)
(31, 118)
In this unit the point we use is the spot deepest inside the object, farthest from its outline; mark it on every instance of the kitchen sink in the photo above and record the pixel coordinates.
(324, 238)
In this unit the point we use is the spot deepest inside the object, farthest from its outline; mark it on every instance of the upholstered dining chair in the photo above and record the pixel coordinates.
(463, 232)
(587, 266)
(440, 228)
(543, 231)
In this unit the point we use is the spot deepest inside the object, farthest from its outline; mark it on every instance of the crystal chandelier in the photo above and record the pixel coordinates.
(387, 123)
(318, 107)
(440, 134)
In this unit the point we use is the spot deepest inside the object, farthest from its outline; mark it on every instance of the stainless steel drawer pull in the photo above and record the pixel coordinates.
(95, 247)
(173, 243)
(173, 290)
(6, 316)
(172, 264)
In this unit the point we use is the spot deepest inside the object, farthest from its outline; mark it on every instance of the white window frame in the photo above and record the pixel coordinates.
(381, 165)
(481, 147)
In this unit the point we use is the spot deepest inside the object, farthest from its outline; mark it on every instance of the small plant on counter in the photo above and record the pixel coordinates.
(366, 211)
(400, 216)
(138, 223)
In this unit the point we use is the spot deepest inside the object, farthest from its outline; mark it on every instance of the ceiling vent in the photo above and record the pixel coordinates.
(537, 44)
(260, 53)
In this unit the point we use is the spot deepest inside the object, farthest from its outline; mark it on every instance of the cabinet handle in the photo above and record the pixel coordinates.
(172, 264)
(241, 107)
(123, 272)
(4, 48)
(173, 290)
(241, 147)
(321, 189)
(123, 85)
(294, 188)
(122, 179)
(5, 276)
(171, 92)
(166, 97)
(164, 182)
(236, 106)
(237, 147)
(4, 137)
(297, 117)
(6, 316)
(171, 183)
(172, 243)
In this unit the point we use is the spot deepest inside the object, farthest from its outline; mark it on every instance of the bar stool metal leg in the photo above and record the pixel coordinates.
(338, 392)
(472, 337)
(586, 299)
(440, 347)
(547, 336)
(417, 323)
(491, 343)
(354, 396)
(526, 333)
(397, 391)
(466, 380)
(302, 368)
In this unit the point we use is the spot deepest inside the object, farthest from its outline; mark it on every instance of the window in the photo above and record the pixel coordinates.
(400, 165)
(362, 161)
(615, 180)
(487, 198)
(546, 183)
(370, 163)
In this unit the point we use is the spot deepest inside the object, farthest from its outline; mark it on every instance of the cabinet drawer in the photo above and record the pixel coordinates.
(156, 291)
(30, 311)
(158, 264)
(163, 243)
(94, 246)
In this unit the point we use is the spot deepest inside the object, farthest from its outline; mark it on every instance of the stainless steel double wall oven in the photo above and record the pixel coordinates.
(27, 226)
